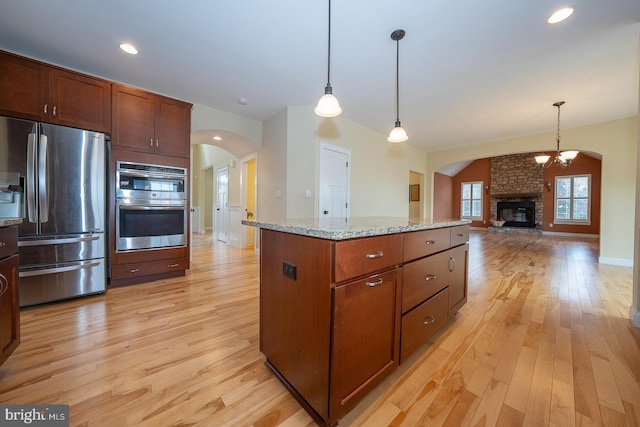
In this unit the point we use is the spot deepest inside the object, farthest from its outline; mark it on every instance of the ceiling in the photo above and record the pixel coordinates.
(470, 71)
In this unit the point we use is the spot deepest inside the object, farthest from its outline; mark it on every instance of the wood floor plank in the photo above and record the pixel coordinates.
(544, 339)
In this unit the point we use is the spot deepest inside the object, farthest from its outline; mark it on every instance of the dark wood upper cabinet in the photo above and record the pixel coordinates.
(36, 91)
(146, 122)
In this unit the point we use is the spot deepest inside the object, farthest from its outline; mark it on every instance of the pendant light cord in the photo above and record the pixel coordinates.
(329, 49)
(397, 82)
(558, 135)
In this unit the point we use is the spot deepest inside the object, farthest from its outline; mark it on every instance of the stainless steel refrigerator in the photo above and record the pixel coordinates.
(54, 178)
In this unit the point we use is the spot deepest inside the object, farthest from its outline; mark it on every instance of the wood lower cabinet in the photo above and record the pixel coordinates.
(336, 317)
(9, 299)
(365, 338)
(330, 343)
(434, 283)
(150, 123)
(37, 91)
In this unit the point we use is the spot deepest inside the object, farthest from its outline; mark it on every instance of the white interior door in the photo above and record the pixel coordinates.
(334, 182)
(221, 213)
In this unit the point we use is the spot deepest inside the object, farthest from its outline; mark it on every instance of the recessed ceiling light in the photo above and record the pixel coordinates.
(242, 101)
(129, 48)
(560, 15)
(217, 138)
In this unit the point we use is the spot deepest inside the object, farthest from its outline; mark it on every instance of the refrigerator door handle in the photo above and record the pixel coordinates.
(55, 270)
(31, 176)
(41, 242)
(42, 179)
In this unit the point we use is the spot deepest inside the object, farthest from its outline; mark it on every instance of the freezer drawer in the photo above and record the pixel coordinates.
(47, 283)
(40, 250)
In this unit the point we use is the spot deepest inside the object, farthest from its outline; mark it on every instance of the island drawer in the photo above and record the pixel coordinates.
(424, 278)
(358, 257)
(422, 322)
(459, 235)
(418, 244)
(8, 241)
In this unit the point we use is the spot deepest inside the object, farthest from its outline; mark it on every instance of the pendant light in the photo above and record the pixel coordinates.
(397, 134)
(563, 159)
(328, 104)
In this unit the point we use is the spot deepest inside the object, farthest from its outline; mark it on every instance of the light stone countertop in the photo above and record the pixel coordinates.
(5, 222)
(349, 228)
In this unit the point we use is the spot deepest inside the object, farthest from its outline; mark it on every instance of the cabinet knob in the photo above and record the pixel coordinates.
(2, 244)
(134, 270)
(430, 277)
(173, 265)
(428, 320)
(430, 242)
(374, 284)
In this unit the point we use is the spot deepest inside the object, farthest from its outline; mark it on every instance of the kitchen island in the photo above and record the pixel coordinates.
(344, 302)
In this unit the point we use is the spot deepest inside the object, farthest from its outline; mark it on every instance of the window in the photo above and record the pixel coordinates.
(573, 199)
(471, 206)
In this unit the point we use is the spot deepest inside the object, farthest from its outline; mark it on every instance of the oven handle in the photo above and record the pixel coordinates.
(152, 208)
(167, 175)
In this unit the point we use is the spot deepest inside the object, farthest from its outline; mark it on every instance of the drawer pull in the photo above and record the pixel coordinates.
(430, 242)
(134, 270)
(173, 265)
(452, 263)
(374, 284)
(429, 320)
(376, 255)
(2, 244)
(460, 235)
(430, 277)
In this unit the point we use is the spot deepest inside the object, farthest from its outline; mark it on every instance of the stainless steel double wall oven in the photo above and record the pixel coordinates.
(151, 206)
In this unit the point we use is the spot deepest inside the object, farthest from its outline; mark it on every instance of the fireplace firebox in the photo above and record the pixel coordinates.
(517, 214)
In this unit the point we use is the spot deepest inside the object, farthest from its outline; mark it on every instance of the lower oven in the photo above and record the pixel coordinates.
(150, 224)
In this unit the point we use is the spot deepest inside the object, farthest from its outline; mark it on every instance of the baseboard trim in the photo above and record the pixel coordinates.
(623, 262)
(634, 316)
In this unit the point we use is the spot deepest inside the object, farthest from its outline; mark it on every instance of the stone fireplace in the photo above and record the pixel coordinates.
(518, 183)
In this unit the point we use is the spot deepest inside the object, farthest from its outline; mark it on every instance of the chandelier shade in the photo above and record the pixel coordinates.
(562, 159)
(328, 105)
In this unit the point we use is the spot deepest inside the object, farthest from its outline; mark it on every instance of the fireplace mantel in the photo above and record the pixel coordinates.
(515, 195)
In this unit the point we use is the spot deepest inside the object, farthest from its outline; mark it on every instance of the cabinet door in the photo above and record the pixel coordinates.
(133, 119)
(23, 87)
(9, 307)
(365, 332)
(172, 127)
(458, 265)
(79, 101)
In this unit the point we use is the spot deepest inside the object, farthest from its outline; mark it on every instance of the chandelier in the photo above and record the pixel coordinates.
(563, 159)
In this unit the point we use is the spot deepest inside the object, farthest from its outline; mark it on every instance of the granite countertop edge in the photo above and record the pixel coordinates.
(5, 222)
(351, 228)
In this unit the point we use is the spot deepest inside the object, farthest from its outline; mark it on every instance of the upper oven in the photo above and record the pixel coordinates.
(150, 182)
(151, 207)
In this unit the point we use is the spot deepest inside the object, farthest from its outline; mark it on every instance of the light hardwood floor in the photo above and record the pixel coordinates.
(543, 340)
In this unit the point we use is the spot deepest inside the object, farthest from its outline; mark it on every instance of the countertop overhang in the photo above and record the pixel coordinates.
(354, 227)
(5, 222)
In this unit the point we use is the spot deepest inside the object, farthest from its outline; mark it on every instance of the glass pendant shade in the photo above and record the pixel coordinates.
(569, 155)
(541, 160)
(398, 134)
(328, 105)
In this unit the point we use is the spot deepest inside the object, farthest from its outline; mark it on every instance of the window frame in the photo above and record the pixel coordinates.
(462, 200)
(571, 198)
